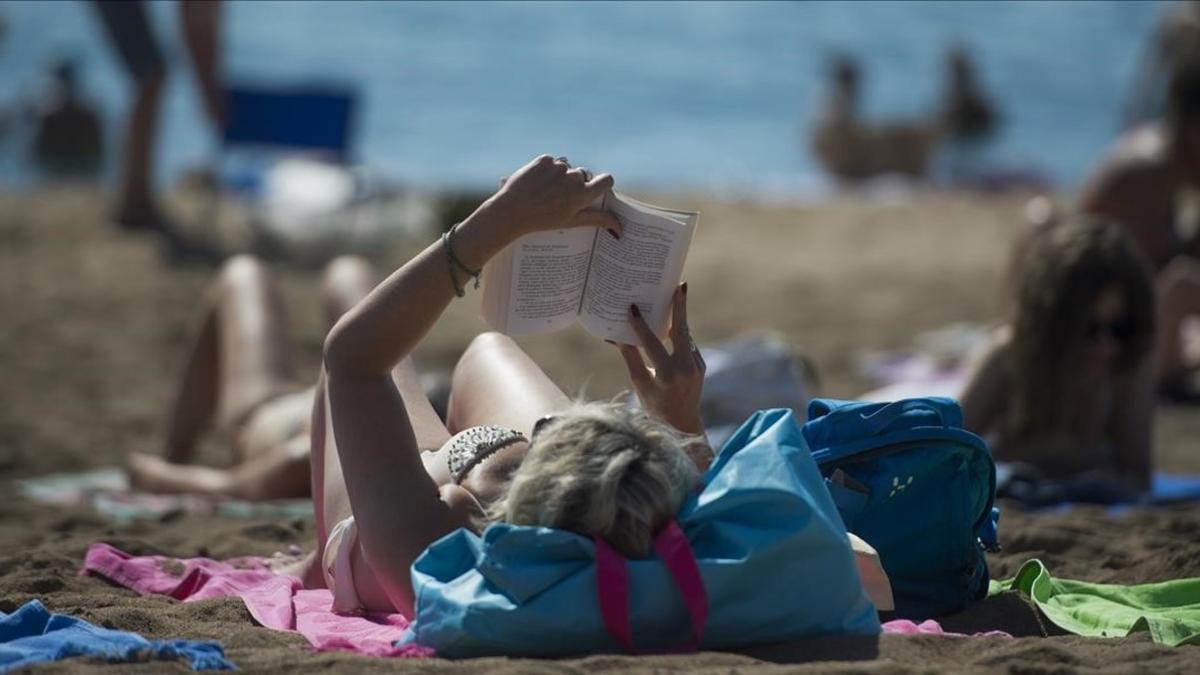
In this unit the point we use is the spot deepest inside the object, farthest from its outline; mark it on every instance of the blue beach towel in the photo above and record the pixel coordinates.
(33, 635)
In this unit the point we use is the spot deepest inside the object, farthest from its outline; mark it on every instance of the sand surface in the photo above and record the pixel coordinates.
(93, 324)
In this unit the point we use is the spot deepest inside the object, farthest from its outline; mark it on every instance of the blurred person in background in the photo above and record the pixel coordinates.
(1066, 388)
(128, 28)
(854, 149)
(968, 117)
(1150, 184)
(238, 380)
(1175, 44)
(68, 139)
(4, 113)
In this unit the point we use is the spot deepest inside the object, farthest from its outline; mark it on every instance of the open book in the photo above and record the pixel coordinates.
(545, 281)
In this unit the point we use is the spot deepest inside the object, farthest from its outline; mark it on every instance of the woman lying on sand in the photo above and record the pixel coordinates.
(1068, 386)
(515, 447)
(238, 377)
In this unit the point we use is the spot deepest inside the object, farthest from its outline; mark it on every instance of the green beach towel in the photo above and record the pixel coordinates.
(1170, 610)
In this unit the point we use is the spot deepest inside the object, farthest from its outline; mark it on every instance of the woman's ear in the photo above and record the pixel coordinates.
(464, 508)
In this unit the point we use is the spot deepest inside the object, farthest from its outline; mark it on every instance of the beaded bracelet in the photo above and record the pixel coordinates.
(455, 264)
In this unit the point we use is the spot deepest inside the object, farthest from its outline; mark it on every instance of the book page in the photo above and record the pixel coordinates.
(643, 267)
(493, 306)
(546, 280)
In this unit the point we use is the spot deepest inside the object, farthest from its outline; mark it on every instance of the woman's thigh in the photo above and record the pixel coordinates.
(254, 352)
(496, 382)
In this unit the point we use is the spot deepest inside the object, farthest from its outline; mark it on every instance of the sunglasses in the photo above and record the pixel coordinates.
(1120, 330)
(542, 422)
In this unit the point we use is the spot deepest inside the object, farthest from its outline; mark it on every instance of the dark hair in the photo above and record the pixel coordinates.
(1067, 269)
(1183, 94)
(844, 71)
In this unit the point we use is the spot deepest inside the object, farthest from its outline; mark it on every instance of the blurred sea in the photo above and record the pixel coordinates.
(709, 96)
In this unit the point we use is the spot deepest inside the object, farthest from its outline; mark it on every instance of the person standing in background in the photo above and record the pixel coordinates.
(68, 141)
(968, 117)
(128, 28)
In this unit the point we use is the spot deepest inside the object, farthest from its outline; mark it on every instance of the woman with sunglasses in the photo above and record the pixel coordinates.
(1068, 387)
(389, 478)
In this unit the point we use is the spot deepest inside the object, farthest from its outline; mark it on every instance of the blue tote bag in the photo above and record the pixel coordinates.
(767, 540)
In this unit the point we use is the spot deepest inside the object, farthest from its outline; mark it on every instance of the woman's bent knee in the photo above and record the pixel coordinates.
(485, 349)
(490, 341)
(349, 270)
(243, 270)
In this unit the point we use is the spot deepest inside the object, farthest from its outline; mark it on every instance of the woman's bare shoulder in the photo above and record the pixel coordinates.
(995, 355)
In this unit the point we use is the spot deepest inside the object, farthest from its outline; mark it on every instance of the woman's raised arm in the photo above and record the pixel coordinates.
(387, 325)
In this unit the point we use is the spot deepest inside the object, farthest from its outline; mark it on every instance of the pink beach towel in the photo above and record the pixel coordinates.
(931, 627)
(274, 600)
(281, 602)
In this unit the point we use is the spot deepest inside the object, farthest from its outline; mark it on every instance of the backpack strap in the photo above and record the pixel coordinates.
(877, 417)
(612, 586)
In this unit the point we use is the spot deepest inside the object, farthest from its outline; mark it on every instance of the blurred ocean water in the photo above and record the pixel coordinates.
(706, 96)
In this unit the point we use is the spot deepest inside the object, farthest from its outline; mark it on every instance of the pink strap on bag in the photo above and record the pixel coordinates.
(612, 586)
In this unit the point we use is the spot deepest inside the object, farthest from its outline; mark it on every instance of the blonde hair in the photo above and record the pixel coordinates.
(604, 470)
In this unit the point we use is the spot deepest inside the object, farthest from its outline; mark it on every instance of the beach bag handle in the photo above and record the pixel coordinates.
(878, 417)
(612, 586)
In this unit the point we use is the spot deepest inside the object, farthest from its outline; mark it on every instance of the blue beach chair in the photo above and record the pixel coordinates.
(266, 123)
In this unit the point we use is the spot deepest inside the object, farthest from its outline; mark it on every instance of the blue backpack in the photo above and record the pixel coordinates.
(909, 480)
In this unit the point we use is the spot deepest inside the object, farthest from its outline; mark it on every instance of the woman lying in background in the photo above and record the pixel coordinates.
(238, 378)
(1068, 387)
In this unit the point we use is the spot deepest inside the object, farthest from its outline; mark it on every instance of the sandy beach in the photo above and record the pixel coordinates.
(94, 323)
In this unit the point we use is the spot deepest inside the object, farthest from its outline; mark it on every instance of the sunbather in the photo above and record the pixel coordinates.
(239, 379)
(515, 447)
(1068, 386)
(1148, 185)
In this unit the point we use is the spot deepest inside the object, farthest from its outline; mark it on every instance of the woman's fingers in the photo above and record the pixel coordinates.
(598, 185)
(649, 342)
(681, 336)
(598, 218)
(639, 374)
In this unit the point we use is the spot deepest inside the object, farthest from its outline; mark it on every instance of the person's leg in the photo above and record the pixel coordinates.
(347, 280)
(254, 362)
(238, 358)
(129, 32)
(495, 382)
(282, 473)
(201, 23)
(136, 207)
(1178, 300)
